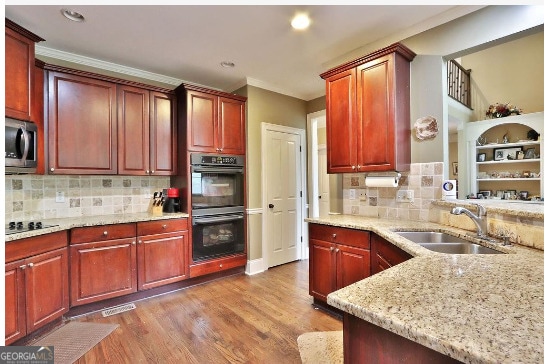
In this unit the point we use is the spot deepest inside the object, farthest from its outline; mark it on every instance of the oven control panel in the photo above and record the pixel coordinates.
(217, 160)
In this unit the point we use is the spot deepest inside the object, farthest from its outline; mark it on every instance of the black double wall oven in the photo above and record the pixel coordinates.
(217, 205)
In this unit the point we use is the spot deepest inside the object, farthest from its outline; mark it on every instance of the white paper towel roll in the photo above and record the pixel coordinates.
(381, 181)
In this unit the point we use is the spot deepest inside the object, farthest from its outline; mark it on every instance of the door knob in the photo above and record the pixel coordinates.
(271, 206)
(319, 197)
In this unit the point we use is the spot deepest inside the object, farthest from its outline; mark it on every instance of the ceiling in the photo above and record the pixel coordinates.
(188, 42)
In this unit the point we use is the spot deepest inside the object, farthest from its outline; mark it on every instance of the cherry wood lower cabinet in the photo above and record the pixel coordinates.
(385, 255)
(162, 251)
(367, 343)
(103, 262)
(338, 257)
(37, 284)
(116, 260)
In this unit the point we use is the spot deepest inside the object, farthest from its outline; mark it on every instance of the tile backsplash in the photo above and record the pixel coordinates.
(30, 197)
(425, 179)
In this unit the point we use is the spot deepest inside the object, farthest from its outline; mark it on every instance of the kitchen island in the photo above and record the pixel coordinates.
(472, 308)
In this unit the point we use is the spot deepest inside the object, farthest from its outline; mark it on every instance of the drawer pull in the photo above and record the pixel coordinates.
(337, 250)
(23, 266)
(331, 248)
(164, 226)
(221, 265)
(140, 242)
(334, 236)
(105, 233)
(133, 243)
(31, 265)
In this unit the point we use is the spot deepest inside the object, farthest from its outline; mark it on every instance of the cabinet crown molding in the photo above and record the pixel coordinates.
(398, 48)
(19, 29)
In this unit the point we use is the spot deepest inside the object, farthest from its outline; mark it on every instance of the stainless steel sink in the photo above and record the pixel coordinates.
(445, 243)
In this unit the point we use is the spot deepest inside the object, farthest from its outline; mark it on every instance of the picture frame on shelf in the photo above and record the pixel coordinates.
(529, 153)
(486, 194)
(523, 195)
(501, 154)
(512, 192)
(455, 168)
(481, 157)
(499, 193)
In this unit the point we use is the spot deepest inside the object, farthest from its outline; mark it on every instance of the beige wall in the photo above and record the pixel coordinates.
(317, 104)
(273, 108)
(511, 72)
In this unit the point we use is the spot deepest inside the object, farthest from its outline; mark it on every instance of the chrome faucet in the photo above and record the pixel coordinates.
(480, 219)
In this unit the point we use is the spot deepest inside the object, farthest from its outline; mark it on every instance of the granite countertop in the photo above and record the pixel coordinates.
(67, 223)
(474, 308)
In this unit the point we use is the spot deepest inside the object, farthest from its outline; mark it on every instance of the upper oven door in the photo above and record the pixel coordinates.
(216, 187)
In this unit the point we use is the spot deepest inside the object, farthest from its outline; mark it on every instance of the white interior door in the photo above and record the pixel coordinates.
(323, 182)
(283, 172)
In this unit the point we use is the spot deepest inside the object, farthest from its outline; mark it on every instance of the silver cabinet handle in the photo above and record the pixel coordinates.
(52, 169)
(331, 248)
(337, 250)
(31, 265)
(133, 243)
(352, 167)
(140, 241)
(105, 233)
(334, 236)
(23, 266)
(147, 171)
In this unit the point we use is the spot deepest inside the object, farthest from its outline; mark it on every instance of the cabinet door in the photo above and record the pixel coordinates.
(18, 77)
(352, 265)
(385, 255)
(231, 126)
(102, 270)
(322, 276)
(163, 134)
(133, 130)
(15, 325)
(376, 113)
(202, 116)
(47, 288)
(82, 125)
(342, 126)
(161, 259)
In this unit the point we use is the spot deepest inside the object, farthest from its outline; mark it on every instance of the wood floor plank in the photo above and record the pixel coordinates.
(237, 319)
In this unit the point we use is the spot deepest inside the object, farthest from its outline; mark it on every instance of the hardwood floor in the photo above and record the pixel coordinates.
(237, 319)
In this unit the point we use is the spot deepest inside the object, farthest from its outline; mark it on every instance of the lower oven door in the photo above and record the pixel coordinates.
(217, 235)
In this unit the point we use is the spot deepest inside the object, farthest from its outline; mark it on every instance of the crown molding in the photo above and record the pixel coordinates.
(108, 66)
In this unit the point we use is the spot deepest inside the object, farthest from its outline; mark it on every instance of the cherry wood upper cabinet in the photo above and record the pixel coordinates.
(214, 121)
(368, 112)
(133, 130)
(163, 134)
(82, 125)
(19, 77)
(104, 125)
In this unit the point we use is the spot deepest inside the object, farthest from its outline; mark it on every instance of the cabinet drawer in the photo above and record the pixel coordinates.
(101, 233)
(351, 237)
(161, 226)
(27, 247)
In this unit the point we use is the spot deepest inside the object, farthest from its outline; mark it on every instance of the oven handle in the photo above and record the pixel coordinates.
(216, 170)
(209, 220)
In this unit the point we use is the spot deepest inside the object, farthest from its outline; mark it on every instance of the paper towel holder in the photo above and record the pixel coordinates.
(379, 177)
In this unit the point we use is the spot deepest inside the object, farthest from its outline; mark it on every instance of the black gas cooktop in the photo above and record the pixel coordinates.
(19, 227)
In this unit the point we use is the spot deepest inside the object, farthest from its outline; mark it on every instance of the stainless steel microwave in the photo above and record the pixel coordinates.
(21, 154)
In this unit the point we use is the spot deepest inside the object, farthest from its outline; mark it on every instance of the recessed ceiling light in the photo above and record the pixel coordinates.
(72, 15)
(300, 21)
(227, 64)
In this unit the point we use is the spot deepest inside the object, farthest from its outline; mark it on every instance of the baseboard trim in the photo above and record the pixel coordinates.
(254, 266)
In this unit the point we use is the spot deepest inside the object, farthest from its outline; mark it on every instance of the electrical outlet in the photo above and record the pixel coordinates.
(60, 196)
(352, 194)
(405, 196)
(362, 195)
